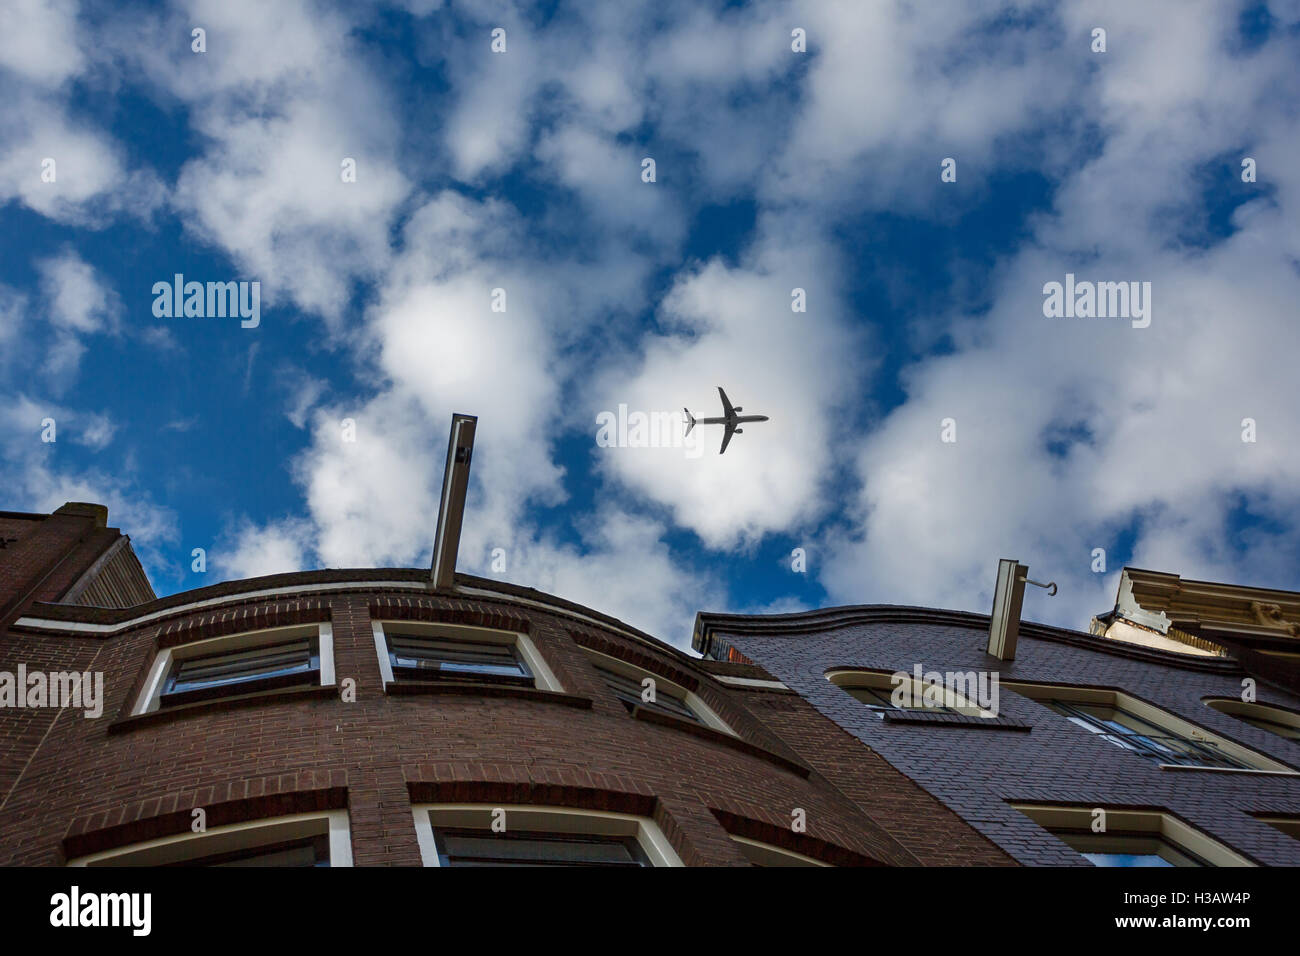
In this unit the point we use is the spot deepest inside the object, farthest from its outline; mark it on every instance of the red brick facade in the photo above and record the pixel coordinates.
(71, 785)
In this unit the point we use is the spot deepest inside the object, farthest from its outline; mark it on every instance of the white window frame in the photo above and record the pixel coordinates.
(708, 716)
(1156, 823)
(1250, 711)
(1159, 717)
(846, 677)
(544, 678)
(540, 818)
(150, 698)
(755, 850)
(233, 836)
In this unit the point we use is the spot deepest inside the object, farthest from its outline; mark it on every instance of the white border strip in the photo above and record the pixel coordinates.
(81, 627)
(653, 840)
(748, 682)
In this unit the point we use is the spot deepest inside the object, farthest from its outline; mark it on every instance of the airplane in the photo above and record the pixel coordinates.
(731, 417)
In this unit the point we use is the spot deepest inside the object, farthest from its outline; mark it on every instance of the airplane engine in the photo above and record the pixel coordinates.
(740, 431)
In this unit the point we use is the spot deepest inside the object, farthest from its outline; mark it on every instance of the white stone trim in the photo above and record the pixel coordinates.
(544, 678)
(82, 627)
(149, 699)
(707, 715)
(549, 819)
(183, 846)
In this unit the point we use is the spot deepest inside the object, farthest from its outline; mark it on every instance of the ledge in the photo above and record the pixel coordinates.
(287, 695)
(411, 688)
(915, 717)
(718, 737)
(1250, 770)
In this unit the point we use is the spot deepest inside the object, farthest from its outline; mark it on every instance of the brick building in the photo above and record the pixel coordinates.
(1148, 726)
(369, 718)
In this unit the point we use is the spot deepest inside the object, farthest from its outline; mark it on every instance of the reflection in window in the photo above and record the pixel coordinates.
(629, 691)
(460, 847)
(420, 657)
(1134, 849)
(259, 668)
(1127, 730)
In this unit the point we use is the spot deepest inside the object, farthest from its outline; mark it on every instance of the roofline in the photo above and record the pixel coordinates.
(1221, 586)
(801, 623)
(106, 622)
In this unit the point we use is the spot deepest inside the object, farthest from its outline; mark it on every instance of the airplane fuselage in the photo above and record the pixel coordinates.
(730, 419)
(733, 420)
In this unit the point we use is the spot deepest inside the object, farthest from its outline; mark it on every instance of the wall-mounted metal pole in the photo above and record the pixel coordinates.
(451, 509)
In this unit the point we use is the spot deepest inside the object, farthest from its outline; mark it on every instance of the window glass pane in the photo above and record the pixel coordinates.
(628, 690)
(882, 698)
(310, 851)
(484, 848)
(1127, 730)
(450, 657)
(234, 667)
(1127, 859)
(1133, 849)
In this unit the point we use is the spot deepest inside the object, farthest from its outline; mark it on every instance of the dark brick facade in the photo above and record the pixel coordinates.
(71, 785)
(976, 771)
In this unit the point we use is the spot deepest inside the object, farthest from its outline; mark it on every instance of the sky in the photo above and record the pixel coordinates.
(447, 207)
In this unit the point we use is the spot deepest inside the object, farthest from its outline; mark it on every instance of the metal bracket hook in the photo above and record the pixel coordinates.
(1050, 586)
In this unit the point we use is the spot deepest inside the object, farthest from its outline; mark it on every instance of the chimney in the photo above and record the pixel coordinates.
(451, 509)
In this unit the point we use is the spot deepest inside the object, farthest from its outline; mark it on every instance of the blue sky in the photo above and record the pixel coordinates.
(775, 169)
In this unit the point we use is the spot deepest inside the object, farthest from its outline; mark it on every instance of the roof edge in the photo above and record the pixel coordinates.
(832, 618)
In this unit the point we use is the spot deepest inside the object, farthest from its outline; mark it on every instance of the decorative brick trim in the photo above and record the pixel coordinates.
(505, 794)
(626, 651)
(405, 688)
(256, 617)
(304, 792)
(442, 610)
(785, 838)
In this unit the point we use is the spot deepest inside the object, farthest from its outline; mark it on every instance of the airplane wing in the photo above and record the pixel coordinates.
(726, 406)
(727, 432)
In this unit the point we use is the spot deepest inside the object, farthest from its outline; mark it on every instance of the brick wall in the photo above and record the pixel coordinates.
(977, 771)
(72, 785)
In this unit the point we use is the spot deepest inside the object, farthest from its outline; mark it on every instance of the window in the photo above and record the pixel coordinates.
(301, 656)
(632, 693)
(309, 839)
(473, 835)
(417, 651)
(1276, 720)
(1146, 730)
(1127, 730)
(1131, 838)
(876, 689)
(479, 848)
(418, 657)
(1128, 850)
(627, 682)
(764, 854)
(262, 668)
(1288, 824)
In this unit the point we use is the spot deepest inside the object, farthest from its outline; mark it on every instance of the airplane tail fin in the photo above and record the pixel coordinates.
(690, 420)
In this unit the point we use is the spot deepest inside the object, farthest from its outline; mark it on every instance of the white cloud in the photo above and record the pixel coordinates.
(249, 551)
(1159, 409)
(38, 40)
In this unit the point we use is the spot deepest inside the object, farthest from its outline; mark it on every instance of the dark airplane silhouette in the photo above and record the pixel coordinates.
(731, 417)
